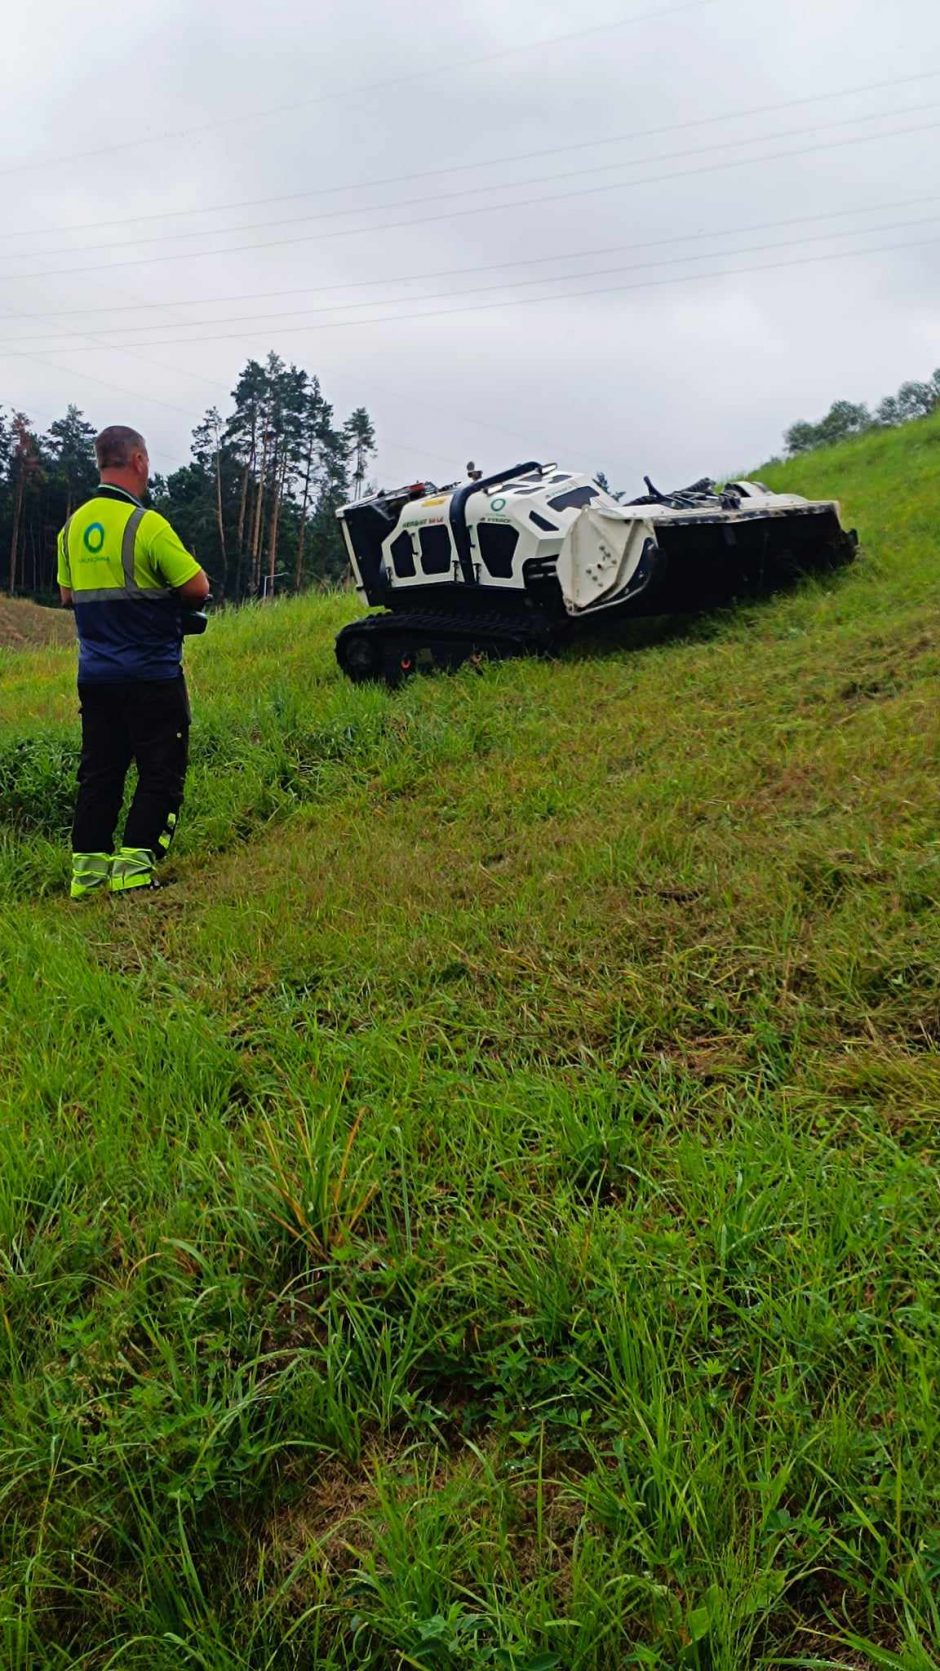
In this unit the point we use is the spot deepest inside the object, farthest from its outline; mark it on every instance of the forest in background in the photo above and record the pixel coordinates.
(255, 503)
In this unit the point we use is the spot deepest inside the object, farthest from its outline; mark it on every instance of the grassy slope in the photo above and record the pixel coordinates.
(23, 623)
(483, 1214)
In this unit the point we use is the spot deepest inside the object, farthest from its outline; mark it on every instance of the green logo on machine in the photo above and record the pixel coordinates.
(93, 538)
(497, 504)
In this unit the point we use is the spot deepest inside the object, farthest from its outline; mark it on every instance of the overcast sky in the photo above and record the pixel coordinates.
(527, 231)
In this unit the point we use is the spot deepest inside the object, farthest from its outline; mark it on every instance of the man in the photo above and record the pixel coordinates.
(129, 580)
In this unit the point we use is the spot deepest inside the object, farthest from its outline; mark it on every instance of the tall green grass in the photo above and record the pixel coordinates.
(483, 1213)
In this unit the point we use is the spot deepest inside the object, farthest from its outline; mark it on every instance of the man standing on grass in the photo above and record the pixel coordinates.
(130, 582)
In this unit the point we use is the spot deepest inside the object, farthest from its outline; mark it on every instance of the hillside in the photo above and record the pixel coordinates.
(23, 623)
(484, 1212)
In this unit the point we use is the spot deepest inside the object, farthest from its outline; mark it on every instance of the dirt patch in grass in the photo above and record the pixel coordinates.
(324, 1516)
(25, 625)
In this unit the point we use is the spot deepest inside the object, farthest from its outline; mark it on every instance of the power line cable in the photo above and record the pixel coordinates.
(618, 289)
(459, 214)
(605, 290)
(395, 446)
(454, 63)
(127, 352)
(40, 413)
(111, 308)
(270, 321)
(486, 162)
(424, 452)
(542, 301)
(104, 341)
(474, 191)
(105, 383)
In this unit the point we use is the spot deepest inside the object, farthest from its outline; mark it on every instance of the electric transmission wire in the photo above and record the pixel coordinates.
(423, 452)
(459, 214)
(438, 313)
(272, 320)
(474, 191)
(141, 356)
(113, 307)
(542, 301)
(105, 383)
(188, 412)
(340, 95)
(486, 162)
(39, 412)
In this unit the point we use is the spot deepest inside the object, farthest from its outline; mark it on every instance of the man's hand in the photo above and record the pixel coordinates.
(195, 590)
(65, 596)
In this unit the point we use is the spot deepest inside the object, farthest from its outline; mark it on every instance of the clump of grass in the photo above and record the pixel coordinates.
(37, 783)
(321, 1196)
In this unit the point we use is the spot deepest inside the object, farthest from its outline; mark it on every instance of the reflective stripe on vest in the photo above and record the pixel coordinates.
(128, 545)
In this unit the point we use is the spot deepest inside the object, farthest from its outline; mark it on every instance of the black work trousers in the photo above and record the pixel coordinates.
(143, 722)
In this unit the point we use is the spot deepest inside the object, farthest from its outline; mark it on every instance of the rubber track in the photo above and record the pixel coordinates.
(451, 638)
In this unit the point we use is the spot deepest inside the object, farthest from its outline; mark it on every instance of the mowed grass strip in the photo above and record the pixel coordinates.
(484, 1213)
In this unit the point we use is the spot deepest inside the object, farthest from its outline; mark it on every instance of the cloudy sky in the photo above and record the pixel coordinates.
(637, 235)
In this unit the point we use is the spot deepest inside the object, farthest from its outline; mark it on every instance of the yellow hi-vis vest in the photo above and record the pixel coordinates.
(122, 563)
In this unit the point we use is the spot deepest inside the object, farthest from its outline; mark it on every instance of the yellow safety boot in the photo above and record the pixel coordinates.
(132, 867)
(90, 873)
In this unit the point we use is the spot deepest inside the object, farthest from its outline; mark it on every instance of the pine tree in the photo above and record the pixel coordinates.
(26, 472)
(306, 466)
(243, 435)
(360, 436)
(71, 446)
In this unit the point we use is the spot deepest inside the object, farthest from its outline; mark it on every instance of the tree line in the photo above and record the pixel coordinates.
(846, 418)
(255, 503)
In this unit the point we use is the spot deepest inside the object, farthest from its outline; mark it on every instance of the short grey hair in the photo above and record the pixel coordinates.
(114, 446)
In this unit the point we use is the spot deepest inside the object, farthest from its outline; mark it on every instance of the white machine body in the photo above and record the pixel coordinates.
(549, 523)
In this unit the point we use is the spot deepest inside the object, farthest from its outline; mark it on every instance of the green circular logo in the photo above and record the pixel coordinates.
(94, 538)
(497, 504)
